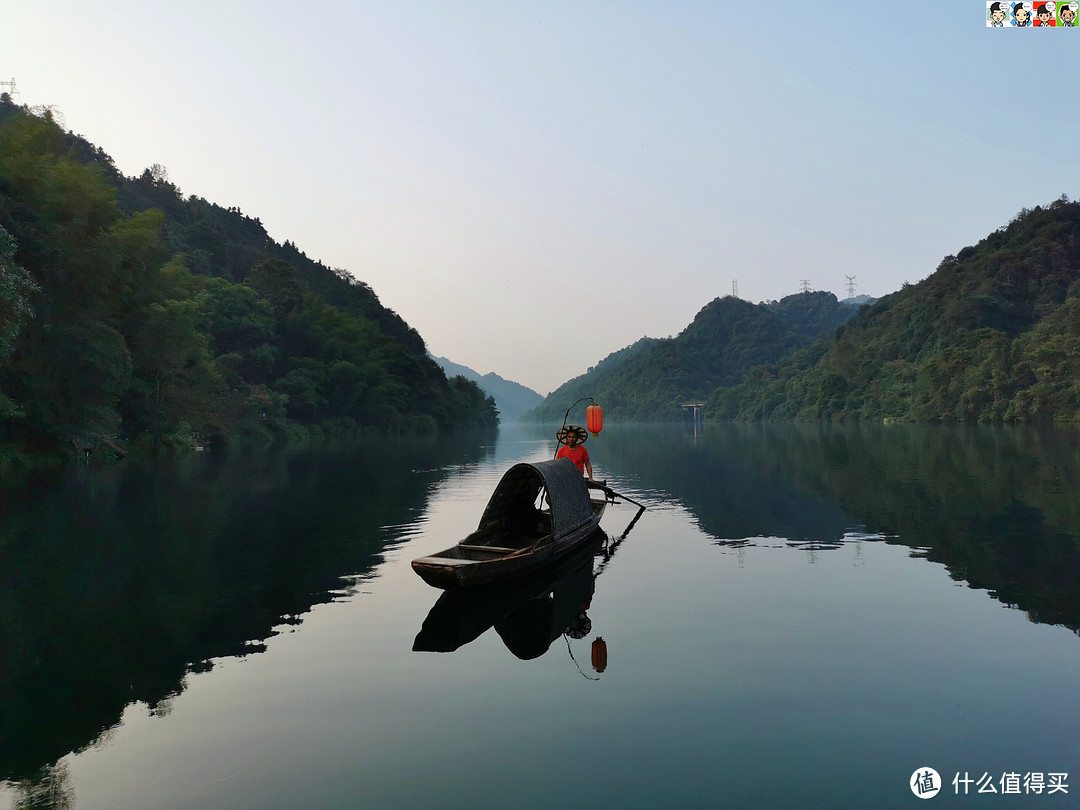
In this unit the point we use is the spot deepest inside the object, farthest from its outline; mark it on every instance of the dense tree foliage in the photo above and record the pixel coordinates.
(512, 399)
(652, 379)
(993, 335)
(128, 313)
(15, 288)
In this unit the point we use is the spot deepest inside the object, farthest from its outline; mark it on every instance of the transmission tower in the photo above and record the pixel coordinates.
(735, 288)
(805, 285)
(850, 286)
(11, 90)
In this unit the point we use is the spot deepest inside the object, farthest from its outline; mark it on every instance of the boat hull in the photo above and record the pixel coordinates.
(472, 567)
(460, 616)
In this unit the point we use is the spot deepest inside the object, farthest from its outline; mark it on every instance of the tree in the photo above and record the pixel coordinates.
(15, 289)
(274, 280)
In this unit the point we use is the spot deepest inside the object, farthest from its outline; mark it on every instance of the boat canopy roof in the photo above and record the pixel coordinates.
(514, 498)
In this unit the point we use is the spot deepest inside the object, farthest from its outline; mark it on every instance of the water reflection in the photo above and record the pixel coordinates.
(809, 546)
(528, 614)
(48, 789)
(996, 506)
(116, 582)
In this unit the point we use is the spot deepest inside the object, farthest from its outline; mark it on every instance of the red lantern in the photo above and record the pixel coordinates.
(599, 654)
(594, 419)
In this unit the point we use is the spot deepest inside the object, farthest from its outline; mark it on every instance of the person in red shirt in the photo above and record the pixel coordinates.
(574, 448)
(1045, 17)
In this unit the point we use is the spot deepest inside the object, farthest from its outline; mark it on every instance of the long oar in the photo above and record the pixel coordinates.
(610, 493)
(613, 494)
(626, 531)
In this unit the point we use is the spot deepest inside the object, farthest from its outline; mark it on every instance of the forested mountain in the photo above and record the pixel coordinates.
(588, 384)
(511, 399)
(652, 379)
(992, 335)
(131, 314)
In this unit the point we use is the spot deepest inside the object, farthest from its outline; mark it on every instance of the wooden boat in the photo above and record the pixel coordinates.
(539, 513)
(462, 615)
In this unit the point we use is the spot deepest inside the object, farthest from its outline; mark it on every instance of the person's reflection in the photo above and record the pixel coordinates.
(529, 629)
(580, 627)
(528, 616)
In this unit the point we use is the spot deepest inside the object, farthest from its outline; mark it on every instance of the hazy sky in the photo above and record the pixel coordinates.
(533, 186)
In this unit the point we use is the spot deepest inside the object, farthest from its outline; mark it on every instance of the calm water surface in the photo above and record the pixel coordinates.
(803, 617)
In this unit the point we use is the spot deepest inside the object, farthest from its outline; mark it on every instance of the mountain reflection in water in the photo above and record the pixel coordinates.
(996, 505)
(783, 580)
(116, 583)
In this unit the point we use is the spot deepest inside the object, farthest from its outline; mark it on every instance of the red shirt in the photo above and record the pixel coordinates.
(579, 455)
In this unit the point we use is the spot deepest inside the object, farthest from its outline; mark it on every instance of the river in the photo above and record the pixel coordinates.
(805, 616)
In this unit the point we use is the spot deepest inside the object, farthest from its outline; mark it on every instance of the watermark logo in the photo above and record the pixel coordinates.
(1035, 782)
(925, 783)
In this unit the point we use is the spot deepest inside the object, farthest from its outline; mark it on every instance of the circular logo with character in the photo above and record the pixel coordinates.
(925, 783)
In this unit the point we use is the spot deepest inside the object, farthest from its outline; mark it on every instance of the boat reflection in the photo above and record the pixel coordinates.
(528, 614)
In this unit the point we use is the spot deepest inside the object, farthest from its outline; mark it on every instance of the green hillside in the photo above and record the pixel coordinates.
(993, 335)
(132, 315)
(597, 378)
(650, 380)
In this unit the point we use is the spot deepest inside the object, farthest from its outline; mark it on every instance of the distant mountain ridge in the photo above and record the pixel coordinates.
(511, 399)
(652, 379)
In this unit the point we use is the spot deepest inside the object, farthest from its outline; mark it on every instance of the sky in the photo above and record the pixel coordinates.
(533, 186)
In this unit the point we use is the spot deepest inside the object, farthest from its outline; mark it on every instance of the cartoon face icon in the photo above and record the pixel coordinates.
(1021, 15)
(1044, 14)
(1068, 15)
(997, 13)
